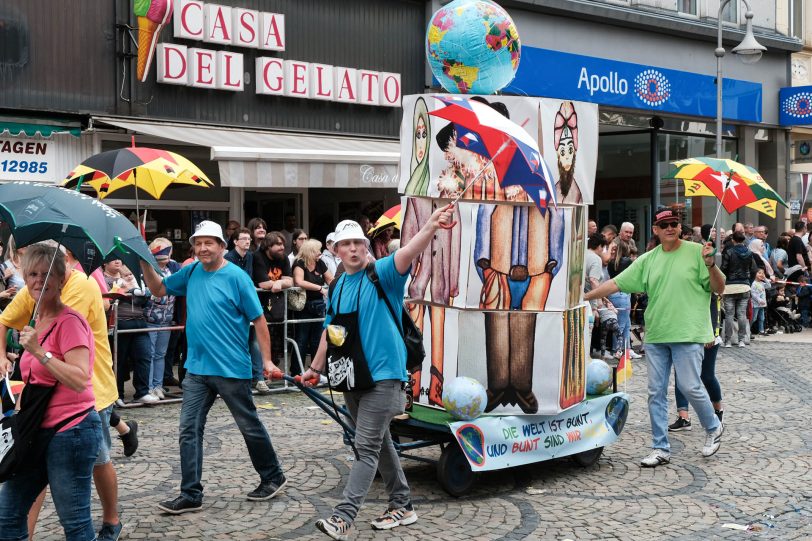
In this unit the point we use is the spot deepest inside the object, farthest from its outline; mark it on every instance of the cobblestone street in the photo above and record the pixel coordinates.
(761, 474)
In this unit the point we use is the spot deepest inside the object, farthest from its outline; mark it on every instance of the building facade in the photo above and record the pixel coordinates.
(255, 92)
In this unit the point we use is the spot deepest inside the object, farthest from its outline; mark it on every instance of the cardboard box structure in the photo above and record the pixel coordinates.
(499, 297)
(529, 362)
(498, 257)
(432, 165)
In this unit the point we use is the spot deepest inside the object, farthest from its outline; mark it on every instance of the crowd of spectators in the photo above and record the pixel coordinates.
(766, 288)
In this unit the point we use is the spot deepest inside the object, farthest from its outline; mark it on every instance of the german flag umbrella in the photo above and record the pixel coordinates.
(391, 217)
(734, 184)
(148, 169)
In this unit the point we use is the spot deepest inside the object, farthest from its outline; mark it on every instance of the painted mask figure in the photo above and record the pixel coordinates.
(566, 147)
(419, 172)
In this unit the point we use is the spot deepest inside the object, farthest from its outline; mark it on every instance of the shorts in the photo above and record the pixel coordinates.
(105, 443)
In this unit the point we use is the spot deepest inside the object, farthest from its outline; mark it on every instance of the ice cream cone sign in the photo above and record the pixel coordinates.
(152, 15)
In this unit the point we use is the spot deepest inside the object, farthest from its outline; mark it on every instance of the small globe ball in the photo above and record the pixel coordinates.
(473, 47)
(598, 377)
(464, 398)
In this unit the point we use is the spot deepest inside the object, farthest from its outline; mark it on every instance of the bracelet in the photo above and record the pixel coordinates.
(317, 371)
(711, 265)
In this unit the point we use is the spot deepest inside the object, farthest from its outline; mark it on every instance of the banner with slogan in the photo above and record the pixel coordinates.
(493, 443)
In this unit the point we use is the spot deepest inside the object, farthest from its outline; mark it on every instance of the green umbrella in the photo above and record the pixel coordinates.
(91, 230)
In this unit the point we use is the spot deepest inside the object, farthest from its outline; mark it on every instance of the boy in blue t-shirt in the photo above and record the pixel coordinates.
(382, 343)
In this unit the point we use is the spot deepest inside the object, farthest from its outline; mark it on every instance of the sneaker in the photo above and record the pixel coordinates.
(147, 399)
(110, 532)
(713, 440)
(158, 392)
(655, 458)
(180, 505)
(634, 355)
(679, 425)
(393, 518)
(119, 403)
(130, 439)
(719, 414)
(335, 526)
(742, 345)
(266, 491)
(728, 345)
(262, 387)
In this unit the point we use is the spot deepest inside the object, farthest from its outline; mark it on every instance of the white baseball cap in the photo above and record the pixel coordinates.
(207, 228)
(331, 237)
(348, 230)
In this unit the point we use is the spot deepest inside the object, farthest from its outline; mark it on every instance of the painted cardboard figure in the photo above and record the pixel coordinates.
(565, 134)
(573, 373)
(438, 265)
(463, 165)
(419, 171)
(517, 253)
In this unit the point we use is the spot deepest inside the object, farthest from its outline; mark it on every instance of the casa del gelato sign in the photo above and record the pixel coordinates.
(200, 67)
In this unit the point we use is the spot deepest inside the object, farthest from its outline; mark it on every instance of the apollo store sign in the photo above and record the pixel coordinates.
(555, 74)
(262, 31)
(795, 104)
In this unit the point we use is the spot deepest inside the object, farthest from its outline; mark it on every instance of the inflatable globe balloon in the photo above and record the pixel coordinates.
(598, 377)
(464, 398)
(472, 47)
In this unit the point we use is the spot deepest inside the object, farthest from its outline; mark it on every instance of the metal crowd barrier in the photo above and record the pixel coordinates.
(287, 359)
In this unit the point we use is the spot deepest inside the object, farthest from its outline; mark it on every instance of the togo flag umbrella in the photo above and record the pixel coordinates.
(91, 230)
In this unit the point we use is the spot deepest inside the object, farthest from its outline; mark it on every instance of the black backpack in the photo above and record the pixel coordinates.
(412, 337)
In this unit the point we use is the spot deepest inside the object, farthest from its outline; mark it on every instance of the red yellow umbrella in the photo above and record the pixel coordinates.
(148, 169)
(392, 217)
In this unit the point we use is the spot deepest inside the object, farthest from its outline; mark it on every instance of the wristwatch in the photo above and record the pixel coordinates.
(46, 358)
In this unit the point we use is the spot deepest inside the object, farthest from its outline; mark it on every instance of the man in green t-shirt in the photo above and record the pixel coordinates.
(678, 277)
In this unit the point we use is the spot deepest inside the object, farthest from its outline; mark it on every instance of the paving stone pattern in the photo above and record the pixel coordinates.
(761, 474)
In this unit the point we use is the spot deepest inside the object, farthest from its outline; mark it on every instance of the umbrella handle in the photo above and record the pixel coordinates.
(452, 224)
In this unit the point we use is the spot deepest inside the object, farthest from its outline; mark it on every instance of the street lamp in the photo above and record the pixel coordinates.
(749, 52)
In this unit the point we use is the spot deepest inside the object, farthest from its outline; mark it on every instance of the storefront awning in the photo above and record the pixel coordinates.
(265, 159)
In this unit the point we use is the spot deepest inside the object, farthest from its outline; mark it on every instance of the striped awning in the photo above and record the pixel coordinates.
(274, 159)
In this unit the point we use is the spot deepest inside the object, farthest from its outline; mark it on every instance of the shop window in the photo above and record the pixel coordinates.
(796, 18)
(673, 147)
(687, 7)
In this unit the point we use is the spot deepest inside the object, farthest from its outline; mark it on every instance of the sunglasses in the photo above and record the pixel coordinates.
(666, 225)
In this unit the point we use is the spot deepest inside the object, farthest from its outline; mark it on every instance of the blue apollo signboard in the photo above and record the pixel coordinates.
(795, 103)
(554, 74)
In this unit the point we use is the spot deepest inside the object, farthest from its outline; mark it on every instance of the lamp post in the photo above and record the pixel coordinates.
(749, 52)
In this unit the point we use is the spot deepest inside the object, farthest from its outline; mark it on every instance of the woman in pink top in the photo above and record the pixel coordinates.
(59, 351)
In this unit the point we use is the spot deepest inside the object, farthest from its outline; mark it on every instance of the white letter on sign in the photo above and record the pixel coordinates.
(171, 63)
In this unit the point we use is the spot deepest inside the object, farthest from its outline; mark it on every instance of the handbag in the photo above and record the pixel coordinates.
(296, 299)
(276, 307)
(412, 337)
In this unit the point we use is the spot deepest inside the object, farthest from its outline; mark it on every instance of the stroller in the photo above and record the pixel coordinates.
(782, 313)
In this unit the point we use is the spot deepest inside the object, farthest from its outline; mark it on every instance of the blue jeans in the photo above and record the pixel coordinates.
(708, 377)
(135, 348)
(158, 342)
(68, 468)
(758, 318)
(623, 303)
(687, 361)
(736, 307)
(199, 393)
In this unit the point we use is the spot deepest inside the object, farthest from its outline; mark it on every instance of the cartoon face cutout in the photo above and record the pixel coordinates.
(565, 153)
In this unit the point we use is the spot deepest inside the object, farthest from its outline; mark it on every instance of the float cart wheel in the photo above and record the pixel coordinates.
(453, 471)
(588, 458)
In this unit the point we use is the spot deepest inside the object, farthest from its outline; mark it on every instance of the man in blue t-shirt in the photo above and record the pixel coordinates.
(221, 303)
(385, 353)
